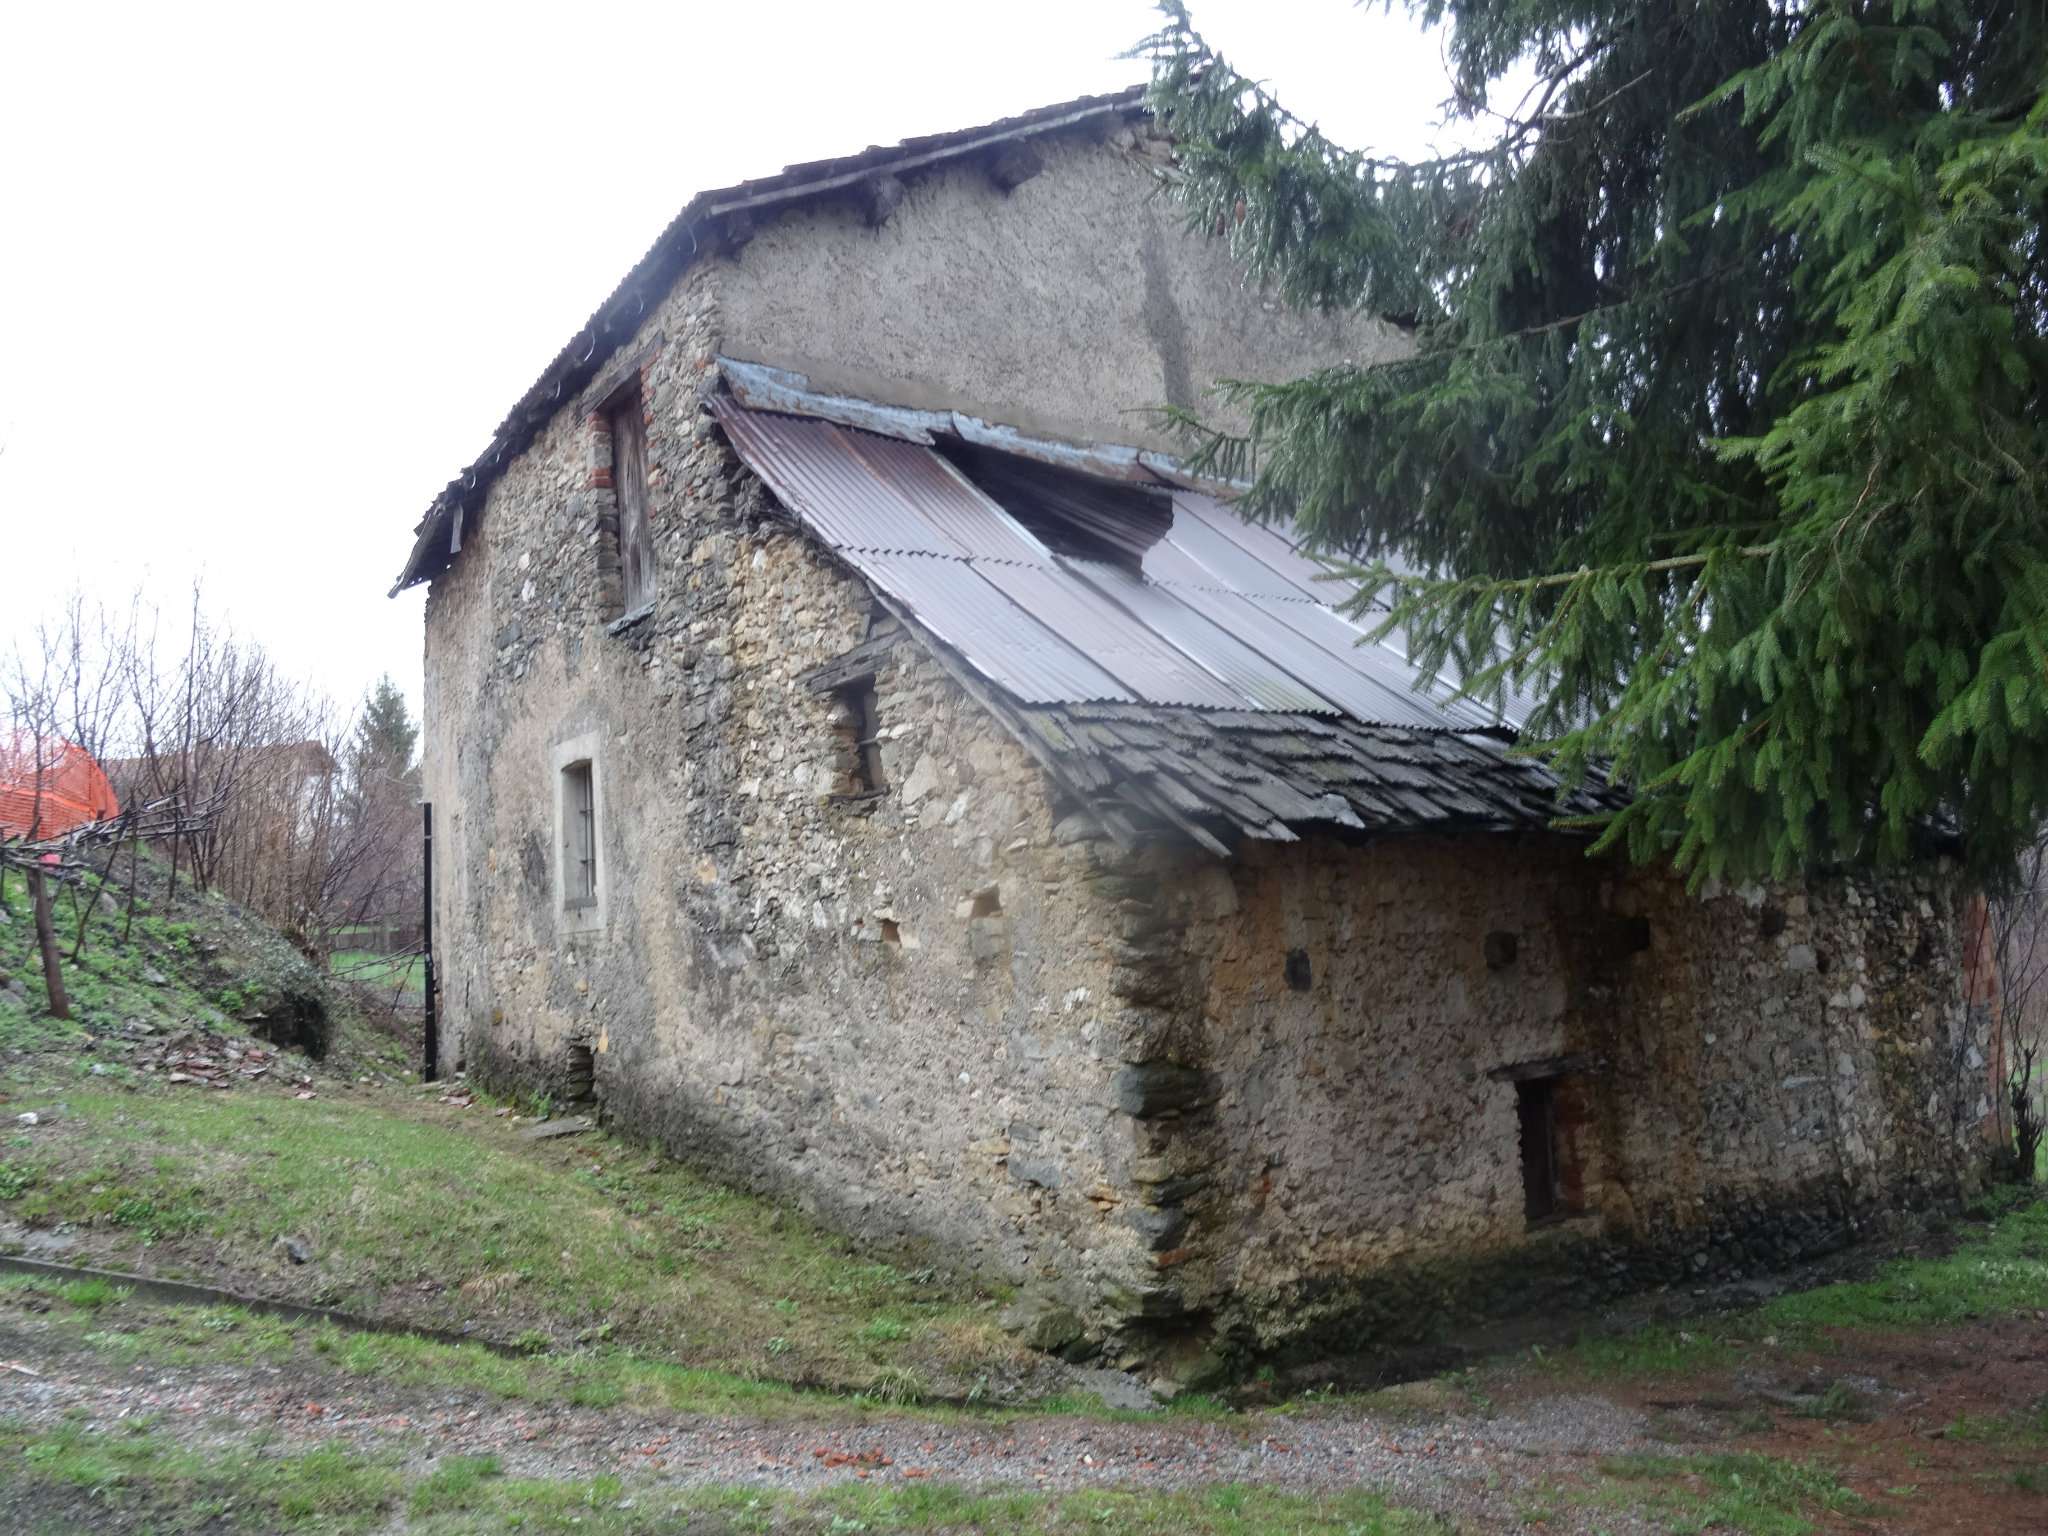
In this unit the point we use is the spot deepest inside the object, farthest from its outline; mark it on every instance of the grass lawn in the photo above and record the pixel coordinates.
(1998, 1269)
(405, 974)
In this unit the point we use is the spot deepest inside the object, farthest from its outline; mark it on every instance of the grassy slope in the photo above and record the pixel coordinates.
(185, 960)
(1998, 1270)
(435, 1214)
(447, 1217)
(156, 975)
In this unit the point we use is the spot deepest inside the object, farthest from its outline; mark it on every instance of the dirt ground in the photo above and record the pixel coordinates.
(1940, 1431)
(1934, 1432)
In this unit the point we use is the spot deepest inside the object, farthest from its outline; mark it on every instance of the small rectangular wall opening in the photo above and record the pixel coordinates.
(854, 722)
(579, 1073)
(1543, 1164)
(629, 482)
(579, 837)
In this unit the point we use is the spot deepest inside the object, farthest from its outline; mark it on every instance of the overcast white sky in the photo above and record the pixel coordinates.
(271, 274)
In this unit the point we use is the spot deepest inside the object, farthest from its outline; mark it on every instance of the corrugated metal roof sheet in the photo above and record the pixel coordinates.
(1363, 694)
(1138, 657)
(1225, 617)
(1213, 563)
(1000, 640)
(1267, 549)
(1246, 670)
(1276, 548)
(1346, 645)
(861, 491)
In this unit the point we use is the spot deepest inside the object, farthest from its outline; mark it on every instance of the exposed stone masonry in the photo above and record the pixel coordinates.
(1200, 1104)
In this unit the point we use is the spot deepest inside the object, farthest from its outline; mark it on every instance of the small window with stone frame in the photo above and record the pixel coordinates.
(856, 728)
(579, 836)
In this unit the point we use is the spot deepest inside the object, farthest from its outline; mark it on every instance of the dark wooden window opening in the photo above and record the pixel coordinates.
(629, 484)
(1553, 1184)
(579, 836)
(854, 718)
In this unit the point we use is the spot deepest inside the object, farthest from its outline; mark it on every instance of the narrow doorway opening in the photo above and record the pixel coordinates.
(1543, 1187)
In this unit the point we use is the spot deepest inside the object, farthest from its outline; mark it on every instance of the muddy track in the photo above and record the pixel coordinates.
(1472, 1468)
(1887, 1414)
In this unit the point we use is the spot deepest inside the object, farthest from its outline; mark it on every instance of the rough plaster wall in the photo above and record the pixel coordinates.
(1775, 1068)
(1818, 1032)
(1071, 306)
(889, 1011)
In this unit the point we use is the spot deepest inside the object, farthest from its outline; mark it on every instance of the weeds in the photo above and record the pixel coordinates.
(1754, 1494)
(1999, 1271)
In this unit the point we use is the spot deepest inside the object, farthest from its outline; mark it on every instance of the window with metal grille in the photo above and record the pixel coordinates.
(579, 836)
(629, 483)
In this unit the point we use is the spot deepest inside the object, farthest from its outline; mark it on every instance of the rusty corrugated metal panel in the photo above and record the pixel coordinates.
(1214, 648)
(860, 491)
(999, 639)
(1151, 667)
(1228, 631)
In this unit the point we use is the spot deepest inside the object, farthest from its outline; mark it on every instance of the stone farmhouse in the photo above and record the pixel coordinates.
(860, 754)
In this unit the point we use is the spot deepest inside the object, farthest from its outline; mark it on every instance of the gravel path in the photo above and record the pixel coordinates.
(1477, 1469)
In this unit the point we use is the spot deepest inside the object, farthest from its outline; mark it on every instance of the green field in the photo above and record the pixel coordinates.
(405, 974)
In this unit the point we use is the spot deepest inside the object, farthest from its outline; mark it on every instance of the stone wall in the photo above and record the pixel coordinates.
(1183, 1097)
(886, 1009)
(1750, 1078)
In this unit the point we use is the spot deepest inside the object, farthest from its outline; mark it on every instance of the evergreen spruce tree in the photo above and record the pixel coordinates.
(379, 874)
(385, 736)
(1719, 424)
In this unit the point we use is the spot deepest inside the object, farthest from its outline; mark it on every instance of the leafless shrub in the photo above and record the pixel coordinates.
(308, 830)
